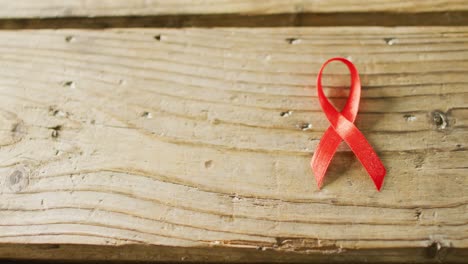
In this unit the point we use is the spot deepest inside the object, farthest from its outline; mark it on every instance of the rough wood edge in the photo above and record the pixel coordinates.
(149, 253)
(53, 8)
(458, 18)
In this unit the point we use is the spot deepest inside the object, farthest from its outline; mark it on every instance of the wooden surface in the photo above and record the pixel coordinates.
(80, 14)
(70, 8)
(194, 144)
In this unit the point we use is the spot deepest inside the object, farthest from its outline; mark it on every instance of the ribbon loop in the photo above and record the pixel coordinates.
(343, 128)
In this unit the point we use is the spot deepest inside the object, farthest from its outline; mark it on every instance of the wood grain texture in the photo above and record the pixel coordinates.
(194, 144)
(71, 8)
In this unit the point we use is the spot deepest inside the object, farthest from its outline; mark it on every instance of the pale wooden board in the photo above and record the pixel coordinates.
(69, 8)
(174, 138)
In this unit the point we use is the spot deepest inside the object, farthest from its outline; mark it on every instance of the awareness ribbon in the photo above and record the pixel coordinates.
(342, 128)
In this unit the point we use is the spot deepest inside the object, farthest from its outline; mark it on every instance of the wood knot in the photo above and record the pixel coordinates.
(439, 119)
(18, 130)
(13, 128)
(17, 180)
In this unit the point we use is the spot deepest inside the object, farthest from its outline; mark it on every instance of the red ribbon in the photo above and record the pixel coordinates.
(342, 128)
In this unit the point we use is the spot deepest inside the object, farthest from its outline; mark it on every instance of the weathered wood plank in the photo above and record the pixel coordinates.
(196, 143)
(70, 8)
(53, 14)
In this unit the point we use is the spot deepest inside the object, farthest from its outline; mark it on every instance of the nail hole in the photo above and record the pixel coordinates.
(418, 213)
(293, 41)
(56, 112)
(69, 38)
(390, 41)
(208, 164)
(160, 37)
(147, 115)
(409, 118)
(70, 84)
(285, 113)
(55, 131)
(235, 197)
(304, 126)
(215, 121)
(15, 127)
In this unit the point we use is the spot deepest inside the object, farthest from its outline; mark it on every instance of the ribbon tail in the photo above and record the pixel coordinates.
(363, 151)
(373, 165)
(323, 154)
